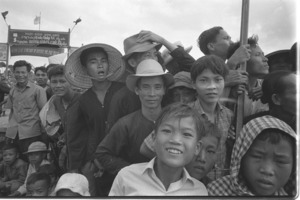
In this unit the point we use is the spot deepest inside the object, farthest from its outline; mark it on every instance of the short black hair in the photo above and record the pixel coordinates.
(38, 176)
(56, 70)
(274, 83)
(252, 41)
(206, 37)
(21, 63)
(212, 62)
(10, 146)
(86, 52)
(42, 68)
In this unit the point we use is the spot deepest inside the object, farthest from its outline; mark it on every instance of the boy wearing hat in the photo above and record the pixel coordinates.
(37, 152)
(137, 48)
(94, 67)
(121, 146)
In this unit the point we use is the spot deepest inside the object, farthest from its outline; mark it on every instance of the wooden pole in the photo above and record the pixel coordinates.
(243, 40)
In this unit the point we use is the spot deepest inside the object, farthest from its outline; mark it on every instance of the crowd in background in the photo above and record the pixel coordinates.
(151, 122)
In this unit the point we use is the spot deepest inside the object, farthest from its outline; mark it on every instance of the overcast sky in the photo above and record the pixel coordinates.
(111, 21)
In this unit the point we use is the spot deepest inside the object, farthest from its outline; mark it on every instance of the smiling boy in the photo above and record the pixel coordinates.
(177, 133)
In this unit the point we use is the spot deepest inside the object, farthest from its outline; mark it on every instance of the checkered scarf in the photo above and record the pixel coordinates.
(234, 184)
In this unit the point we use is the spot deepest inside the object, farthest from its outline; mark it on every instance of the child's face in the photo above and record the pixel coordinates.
(9, 156)
(209, 86)
(38, 189)
(267, 167)
(67, 193)
(205, 160)
(182, 94)
(176, 142)
(257, 66)
(36, 158)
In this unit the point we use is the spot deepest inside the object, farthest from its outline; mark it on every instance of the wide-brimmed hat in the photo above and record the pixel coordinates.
(148, 68)
(77, 75)
(77, 183)
(36, 147)
(182, 79)
(166, 53)
(132, 46)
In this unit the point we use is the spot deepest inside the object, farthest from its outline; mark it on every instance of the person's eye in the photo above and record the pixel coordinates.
(210, 151)
(166, 130)
(158, 87)
(187, 134)
(283, 161)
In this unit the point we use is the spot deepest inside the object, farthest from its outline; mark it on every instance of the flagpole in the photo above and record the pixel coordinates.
(40, 21)
(243, 40)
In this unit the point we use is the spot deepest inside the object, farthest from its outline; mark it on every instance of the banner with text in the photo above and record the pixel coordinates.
(17, 50)
(30, 37)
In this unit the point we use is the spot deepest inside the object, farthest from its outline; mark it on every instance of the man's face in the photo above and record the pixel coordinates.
(97, 65)
(221, 44)
(203, 163)
(21, 75)
(266, 167)
(59, 85)
(38, 189)
(257, 66)
(151, 91)
(41, 78)
(176, 142)
(209, 86)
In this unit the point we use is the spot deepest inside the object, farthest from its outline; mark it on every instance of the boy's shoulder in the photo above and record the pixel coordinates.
(19, 163)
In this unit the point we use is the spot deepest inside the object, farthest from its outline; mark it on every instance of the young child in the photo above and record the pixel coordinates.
(263, 159)
(208, 74)
(204, 162)
(38, 184)
(71, 185)
(14, 170)
(178, 130)
(51, 170)
(37, 152)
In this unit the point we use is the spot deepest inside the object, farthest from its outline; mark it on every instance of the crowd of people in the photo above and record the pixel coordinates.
(148, 123)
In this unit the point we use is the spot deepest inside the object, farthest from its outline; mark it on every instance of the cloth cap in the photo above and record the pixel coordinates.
(76, 74)
(148, 68)
(182, 79)
(36, 147)
(166, 53)
(132, 46)
(75, 182)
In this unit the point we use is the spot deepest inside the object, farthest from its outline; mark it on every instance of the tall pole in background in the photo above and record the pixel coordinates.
(40, 21)
(243, 41)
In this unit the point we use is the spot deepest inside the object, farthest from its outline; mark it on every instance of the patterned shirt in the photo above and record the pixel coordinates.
(223, 120)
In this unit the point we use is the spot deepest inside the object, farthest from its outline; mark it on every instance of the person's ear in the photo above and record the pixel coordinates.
(210, 46)
(136, 90)
(132, 62)
(276, 99)
(198, 147)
